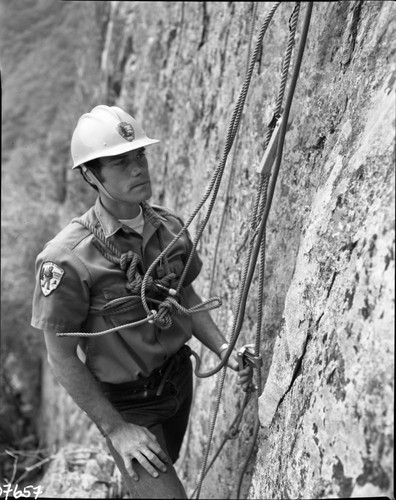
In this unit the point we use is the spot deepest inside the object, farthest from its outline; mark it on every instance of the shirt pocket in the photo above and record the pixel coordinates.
(121, 306)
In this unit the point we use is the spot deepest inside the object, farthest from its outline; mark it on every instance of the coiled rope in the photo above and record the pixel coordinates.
(128, 262)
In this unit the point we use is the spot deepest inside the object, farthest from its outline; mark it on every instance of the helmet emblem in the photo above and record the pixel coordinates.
(126, 131)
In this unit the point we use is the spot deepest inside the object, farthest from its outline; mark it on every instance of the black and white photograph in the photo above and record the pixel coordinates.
(197, 249)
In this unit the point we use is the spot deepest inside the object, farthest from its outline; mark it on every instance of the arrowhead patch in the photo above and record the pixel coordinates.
(50, 277)
(126, 131)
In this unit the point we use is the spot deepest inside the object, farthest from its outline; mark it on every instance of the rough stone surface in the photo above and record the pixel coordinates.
(327, 342)
(77, 472)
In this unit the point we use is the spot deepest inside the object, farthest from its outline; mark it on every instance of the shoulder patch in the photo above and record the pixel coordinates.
(50, 277)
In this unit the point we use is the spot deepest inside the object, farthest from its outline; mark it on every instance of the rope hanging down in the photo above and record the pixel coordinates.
(204, 468)
(265, 177)
(222, 219)
(260, 230)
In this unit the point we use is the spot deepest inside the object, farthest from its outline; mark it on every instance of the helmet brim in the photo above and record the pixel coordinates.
(118, 150)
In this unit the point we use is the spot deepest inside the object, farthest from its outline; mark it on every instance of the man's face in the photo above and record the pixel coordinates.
(126, 176)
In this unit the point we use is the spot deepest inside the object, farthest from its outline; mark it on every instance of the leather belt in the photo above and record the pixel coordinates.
(156, 380)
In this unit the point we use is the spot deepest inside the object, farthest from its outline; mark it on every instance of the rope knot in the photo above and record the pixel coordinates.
(127, 258)
(163, 318)
(136, 285)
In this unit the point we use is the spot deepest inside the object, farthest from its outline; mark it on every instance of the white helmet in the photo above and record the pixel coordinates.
(106, 131)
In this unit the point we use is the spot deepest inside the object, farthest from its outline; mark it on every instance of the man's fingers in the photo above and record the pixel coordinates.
(144, 462)
(154, 459)
(244, 378)
(134, 442)
(155, 447)
(147, 459)
(130, 469)
(162, 455)
(245, 373)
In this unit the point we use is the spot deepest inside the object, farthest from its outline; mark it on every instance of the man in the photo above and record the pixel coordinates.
(134, 377)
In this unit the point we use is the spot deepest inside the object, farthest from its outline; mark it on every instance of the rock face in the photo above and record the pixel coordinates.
(326, 410)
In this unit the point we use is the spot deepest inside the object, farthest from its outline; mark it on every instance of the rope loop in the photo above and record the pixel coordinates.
(163, 318)
(170, 305)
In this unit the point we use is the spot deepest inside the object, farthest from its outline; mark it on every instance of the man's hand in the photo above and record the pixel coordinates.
(245, 375)
(129, 441)
(135, 442)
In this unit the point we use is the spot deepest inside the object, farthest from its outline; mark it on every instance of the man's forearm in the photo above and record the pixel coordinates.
(204, 328)
(206, 331)
(127, 441)
(79, 382)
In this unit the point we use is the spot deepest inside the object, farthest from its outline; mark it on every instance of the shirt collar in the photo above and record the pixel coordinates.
(111, 225)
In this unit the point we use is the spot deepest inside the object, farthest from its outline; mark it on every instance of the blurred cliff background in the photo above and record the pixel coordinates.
(328, 341)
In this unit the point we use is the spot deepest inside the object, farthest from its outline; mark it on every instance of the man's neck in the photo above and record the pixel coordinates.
(120, 210)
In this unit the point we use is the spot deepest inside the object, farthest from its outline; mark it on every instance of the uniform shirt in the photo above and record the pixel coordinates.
(74, 279)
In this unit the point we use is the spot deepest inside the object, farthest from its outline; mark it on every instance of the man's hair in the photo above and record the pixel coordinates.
(95, 167)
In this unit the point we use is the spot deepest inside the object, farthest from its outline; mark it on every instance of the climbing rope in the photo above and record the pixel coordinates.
(217, 176)
(260, 231)
(304, 34)
(110, 330)
(242, 297)
(261, 202)
(204, 468)
(231, 433)
(222, 217)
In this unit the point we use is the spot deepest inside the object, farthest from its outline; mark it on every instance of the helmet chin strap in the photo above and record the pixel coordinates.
(92, 178)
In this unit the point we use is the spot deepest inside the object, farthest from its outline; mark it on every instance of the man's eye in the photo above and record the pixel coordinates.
(142, 155)
(121, 163)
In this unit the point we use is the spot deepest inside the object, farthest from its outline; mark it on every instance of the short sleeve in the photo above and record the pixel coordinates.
(61, 297)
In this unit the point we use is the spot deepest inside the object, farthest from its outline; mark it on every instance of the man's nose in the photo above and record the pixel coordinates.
(137, 166)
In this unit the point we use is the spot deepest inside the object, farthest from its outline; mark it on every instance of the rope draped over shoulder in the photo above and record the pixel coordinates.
(128, 262)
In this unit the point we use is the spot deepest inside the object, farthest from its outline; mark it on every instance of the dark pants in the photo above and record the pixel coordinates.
(166, 416)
